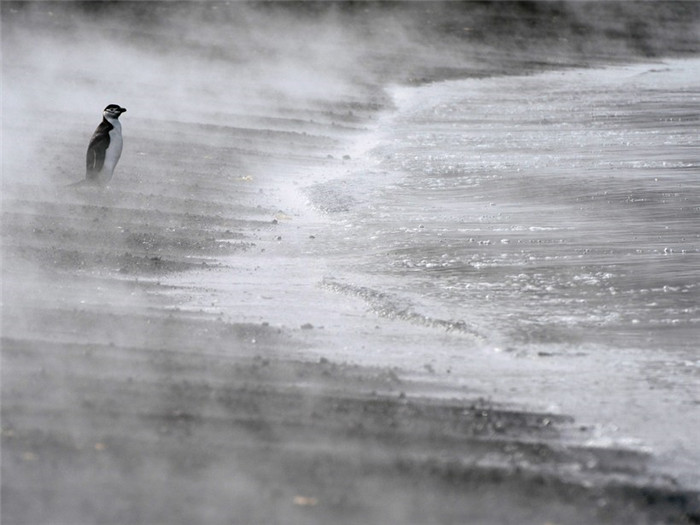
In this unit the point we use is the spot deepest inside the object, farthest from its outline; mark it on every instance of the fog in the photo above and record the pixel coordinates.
(169, 352)
(176, 60)
(210, 62)
(214, 60)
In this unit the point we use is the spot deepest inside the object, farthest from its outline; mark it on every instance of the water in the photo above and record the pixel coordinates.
(546, 228)
(560, 208)
(532, 240)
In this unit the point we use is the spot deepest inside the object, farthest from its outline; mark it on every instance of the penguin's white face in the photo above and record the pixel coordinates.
(113, 111)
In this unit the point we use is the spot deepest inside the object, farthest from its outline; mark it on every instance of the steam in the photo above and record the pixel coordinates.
(178, 67)
(207, 62)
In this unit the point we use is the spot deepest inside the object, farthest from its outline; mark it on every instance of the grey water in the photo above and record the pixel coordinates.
(546, 228)
(530, 239)
(556, 209)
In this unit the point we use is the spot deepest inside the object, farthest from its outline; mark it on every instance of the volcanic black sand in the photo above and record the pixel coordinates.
(122, 406)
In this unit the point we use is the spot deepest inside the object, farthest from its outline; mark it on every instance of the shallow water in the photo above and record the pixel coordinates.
(558, 208)
(552, 216)
(531, 240)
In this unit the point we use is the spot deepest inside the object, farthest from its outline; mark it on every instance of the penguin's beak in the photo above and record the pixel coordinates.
(122, 110)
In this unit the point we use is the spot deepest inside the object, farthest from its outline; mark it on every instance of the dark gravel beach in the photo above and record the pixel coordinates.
(173, 350)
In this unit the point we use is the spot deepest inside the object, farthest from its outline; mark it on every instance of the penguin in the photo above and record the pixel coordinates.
(104, 149)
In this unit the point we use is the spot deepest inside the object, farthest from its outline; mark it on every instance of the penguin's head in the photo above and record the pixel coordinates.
(113, 111)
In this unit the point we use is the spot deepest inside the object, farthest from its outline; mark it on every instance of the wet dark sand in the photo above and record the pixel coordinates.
(120, 406)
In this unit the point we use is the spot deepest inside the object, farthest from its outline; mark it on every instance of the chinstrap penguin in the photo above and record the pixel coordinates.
(105, 148)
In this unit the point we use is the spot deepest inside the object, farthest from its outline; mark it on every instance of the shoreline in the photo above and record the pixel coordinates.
(202, 372)
(170, 354)
(341, 306)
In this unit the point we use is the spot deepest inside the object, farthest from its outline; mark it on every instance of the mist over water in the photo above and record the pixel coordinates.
(557, 209)
(545, 215)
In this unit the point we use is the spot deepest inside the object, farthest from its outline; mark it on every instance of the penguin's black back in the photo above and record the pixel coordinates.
(99, 142)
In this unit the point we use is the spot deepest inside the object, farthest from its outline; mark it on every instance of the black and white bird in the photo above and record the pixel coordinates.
(105, 148)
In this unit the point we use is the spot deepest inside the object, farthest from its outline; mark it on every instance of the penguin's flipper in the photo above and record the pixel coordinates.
(95, 158)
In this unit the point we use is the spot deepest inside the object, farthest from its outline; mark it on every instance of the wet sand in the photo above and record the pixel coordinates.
(131, 394)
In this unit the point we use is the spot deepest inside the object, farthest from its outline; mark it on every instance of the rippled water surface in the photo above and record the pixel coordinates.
(561, 208)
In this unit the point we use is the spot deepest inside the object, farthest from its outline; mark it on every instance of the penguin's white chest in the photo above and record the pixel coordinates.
(114, 150)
